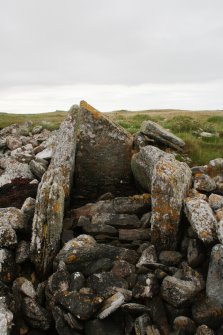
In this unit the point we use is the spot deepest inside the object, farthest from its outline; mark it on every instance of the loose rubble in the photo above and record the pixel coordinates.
(120, 237)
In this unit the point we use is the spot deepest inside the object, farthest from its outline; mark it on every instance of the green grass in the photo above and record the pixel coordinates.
(182, 123)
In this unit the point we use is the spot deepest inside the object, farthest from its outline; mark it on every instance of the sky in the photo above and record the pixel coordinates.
(119, 54)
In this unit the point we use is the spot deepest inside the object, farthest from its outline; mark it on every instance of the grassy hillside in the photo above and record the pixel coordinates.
(182, 123)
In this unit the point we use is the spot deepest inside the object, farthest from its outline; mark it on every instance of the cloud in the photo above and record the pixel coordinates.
(53, 44)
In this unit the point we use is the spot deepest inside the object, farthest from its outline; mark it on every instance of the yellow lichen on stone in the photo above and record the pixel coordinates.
(71, 259)
(56, 207)
(89, 108)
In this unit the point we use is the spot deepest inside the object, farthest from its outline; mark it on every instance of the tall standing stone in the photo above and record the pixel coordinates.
(171, 181)
(53, 193)
(103, 154)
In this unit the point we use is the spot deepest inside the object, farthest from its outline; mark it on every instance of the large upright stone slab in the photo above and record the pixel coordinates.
(171, 181)
(103, 154)
(53, 192)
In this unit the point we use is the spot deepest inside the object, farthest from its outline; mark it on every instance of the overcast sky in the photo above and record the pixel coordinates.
(129, 54)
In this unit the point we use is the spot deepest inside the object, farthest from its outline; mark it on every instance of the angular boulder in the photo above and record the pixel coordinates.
(161, 135)
(103, 154)
(143, 164)
(171, 181)
(201, 218)
(53, 192)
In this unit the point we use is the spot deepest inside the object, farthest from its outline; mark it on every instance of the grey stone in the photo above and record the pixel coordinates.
(8, 238)
(6, 319)
(180, 292)
(13, 142)
(148, 256)
(13, 217)
(22, 252)
(37, 168)
(141, 324)
(215, 201)
(37, 129)
(53, 192)
(14, 170)
(102, 283)
(117, 220)
(100, 142)
(214, 284)
(81, 305)
(203, 182)
(170, 184)
(161, 135)
(79, 252)
(201, 218)
(143, 164)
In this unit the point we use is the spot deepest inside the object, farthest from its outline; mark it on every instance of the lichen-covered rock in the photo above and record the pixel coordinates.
(161, 135)
(203, 182)
(170, 184)
(117, 220)
(6, 318)
(53, 191)
(136, 204)
(143, 164)
(169, 257)
(14, 170)
(13, 217)
(201, 218)
(8, 238)
(215, 201)
(37, 168)
(103, 154)
(81, 305)
(79, 253)
(180, 291)
(214, 285)
(13, 142)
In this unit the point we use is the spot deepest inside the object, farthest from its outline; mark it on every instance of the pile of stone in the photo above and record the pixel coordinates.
(118, 240)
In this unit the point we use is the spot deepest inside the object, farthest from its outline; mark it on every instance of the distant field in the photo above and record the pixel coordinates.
(181, 123)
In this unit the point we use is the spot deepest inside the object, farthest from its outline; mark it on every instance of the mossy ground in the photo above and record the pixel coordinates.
(182, 123)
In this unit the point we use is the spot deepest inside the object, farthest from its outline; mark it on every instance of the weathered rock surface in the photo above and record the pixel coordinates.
(14, 170)
(100, 144)
(161, 135)
(6, 318)
(214, 286)
(143, 164)
(53, 191)
(170, 184)
(180, 292)
(201, 218)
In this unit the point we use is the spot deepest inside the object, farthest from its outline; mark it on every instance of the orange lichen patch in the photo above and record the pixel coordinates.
(145, 198)
(91, 109)
(71, 259)
(198, 174)
(56, 207)
(204, 234)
